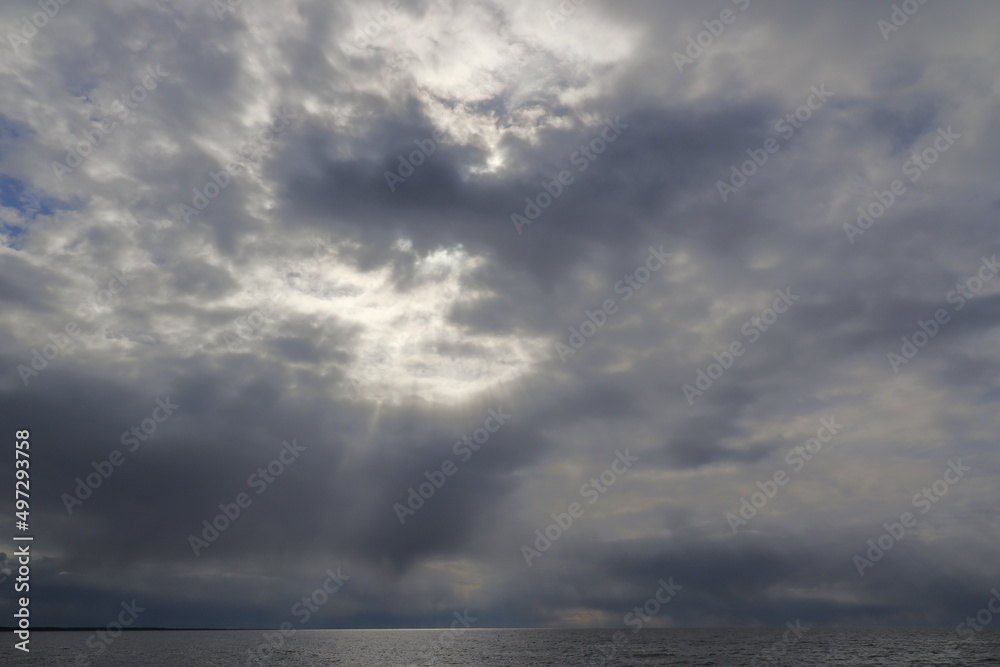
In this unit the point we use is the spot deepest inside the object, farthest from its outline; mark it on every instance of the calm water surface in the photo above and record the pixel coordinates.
(482, 647)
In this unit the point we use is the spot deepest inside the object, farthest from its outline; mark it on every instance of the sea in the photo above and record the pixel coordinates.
(796, 644)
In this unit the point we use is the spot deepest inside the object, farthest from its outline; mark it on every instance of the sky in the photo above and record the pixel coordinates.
(396, 310)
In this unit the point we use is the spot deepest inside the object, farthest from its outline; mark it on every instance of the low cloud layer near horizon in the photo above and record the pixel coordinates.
(487, 251)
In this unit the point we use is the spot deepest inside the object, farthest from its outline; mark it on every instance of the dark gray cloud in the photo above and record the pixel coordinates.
(305, 297)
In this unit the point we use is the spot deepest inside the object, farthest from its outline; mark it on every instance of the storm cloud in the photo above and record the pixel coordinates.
(336, 237)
